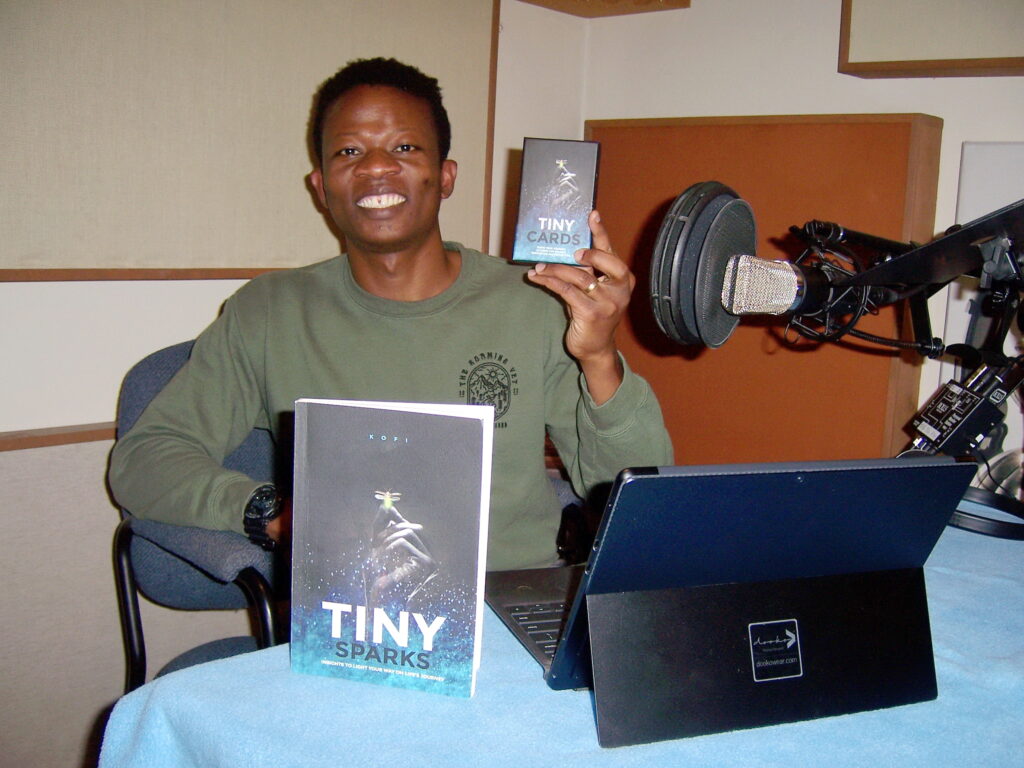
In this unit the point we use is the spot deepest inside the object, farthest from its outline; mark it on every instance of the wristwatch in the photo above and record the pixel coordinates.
(263, 506)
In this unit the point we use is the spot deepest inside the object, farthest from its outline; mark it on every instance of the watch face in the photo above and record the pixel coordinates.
(263, 504)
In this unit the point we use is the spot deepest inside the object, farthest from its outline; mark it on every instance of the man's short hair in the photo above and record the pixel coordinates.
(379, 71)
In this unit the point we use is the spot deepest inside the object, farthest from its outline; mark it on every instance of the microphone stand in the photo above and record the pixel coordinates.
(965, 412)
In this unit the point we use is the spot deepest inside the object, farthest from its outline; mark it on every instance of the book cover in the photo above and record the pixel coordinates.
(556, 194)
(389, 537)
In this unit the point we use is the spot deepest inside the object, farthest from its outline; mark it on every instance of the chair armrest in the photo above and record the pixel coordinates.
(221, 554)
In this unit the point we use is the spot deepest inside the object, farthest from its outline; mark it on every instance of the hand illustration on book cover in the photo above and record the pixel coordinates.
(399, 563)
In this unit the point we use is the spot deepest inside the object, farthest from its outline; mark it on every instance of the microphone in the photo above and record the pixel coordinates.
(754, 286)
(705, 276)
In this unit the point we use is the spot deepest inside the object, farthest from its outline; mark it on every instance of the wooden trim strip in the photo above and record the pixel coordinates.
(72, 275)
(594, 9)
(844, 37)
(1010, 66)
(492, 90)
(51, 436)
(785, 120)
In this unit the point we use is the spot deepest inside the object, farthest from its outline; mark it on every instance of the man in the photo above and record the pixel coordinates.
(404, 316)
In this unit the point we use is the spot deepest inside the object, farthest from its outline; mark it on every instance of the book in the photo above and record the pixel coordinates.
(389, 537)
(556, 195)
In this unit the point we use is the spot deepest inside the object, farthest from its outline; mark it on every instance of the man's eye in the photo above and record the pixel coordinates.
(348, 151)
(406, 148)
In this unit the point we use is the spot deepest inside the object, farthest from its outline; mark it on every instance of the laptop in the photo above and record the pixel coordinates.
(743, 595)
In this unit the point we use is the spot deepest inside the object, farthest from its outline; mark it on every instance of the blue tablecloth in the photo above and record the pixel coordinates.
(252, 711)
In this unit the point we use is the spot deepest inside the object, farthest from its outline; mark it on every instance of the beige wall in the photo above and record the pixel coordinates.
(72, 342)
(172, 134)
(155, 134)
(540, 92)
(61, 662)
(61, 659)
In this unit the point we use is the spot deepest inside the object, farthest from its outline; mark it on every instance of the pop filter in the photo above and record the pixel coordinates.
(705, 226)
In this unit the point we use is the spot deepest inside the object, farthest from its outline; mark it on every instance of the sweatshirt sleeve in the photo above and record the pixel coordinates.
(168, 466)
(596, 442)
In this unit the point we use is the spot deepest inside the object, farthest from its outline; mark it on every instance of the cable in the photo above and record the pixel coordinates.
(898, 343)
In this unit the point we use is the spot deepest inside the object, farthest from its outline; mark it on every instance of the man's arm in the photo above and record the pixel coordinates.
(608, 418)
(596, 297)
(595, 441)
(168, 467)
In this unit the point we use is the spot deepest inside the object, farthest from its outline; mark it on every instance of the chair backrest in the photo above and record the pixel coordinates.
(163, 576)
(144, 381)
(255, 457)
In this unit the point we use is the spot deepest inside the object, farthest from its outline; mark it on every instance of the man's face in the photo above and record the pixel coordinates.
(382, 179)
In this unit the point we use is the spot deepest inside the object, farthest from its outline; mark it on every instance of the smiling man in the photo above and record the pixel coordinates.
(402, 315)
(382, 179)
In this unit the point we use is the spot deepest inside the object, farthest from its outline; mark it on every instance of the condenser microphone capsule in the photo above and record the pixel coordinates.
(754, 286)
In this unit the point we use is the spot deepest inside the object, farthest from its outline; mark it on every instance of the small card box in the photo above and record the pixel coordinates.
(556, 196)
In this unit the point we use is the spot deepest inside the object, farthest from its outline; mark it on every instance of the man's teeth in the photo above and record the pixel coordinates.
(380, 201)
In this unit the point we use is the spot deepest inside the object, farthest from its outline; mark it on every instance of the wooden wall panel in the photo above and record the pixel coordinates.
(756, 399)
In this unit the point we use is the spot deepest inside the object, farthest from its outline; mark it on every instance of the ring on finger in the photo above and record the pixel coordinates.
(590, 288)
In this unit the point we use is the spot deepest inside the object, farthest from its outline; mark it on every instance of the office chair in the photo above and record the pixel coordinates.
(182, 566)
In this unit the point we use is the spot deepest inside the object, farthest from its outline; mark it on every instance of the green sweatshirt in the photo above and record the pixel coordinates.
(313, 332)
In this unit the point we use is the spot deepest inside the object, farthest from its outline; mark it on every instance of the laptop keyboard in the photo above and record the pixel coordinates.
(542, 622)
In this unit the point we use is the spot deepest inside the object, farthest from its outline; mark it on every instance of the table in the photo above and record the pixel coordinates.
(251, 710)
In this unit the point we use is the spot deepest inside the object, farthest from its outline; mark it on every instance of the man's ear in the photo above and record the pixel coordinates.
(316, 180)
(449, 170)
